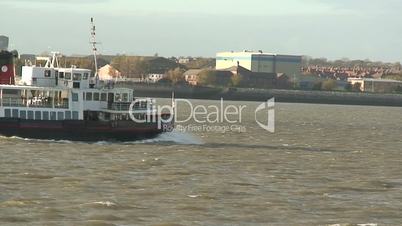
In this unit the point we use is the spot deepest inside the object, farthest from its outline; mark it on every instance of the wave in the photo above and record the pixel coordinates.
(106, 203)
(164, 138)
(173, 138)
(35, 140)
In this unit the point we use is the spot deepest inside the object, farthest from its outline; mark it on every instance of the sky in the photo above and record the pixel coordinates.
(334, 29)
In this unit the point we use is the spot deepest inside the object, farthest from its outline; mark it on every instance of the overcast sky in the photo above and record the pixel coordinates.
(356, 29)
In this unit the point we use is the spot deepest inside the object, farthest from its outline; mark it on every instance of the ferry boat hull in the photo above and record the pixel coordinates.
(78, 130)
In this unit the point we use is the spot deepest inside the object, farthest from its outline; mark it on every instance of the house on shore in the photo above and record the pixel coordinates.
(108, 72)
(155, 77)
(191, 76)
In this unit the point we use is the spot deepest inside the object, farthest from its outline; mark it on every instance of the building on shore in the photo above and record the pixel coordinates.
(242, 76)
(155, 77)
(260, 62)
(376, 85)
(28, 59)
(191, 76)
(184, 60)
(108, 72)
(251, 79)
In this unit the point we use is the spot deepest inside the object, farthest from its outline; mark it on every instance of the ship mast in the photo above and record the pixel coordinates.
(94, 49)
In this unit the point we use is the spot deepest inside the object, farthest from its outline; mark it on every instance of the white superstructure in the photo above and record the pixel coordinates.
(54, 93)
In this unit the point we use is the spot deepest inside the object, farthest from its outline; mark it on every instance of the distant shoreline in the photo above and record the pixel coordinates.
(261, 95)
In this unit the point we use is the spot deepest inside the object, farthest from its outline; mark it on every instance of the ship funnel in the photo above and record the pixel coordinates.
(3, 42)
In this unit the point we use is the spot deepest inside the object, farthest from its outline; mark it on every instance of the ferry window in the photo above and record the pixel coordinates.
(34, 81)
(143, 104)
(38, 115)
(45, 115)
(23, 114)
(103, 97)
(67, 75)
(15, 113)
(96, 96)
(85, 77)
(61, 74)
(10, 91)
(68, 115)
(92, 75)
(76, 85)
(52, 115)
(75, 97)
(117, 97)
(125, 97)
(30, 115)
(88, 96)
(76, 76)
(7, 113)
(75, 115)
(47, 73)
(60, 115)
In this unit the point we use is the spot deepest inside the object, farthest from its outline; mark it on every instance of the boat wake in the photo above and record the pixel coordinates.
(36, 140)
(172, 138)
(165, 138)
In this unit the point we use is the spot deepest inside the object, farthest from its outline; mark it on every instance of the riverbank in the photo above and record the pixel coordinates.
(290, 96)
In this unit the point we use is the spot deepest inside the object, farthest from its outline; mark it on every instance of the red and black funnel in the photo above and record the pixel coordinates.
(7, 68)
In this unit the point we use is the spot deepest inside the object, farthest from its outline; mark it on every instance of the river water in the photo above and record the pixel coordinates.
(324, 165)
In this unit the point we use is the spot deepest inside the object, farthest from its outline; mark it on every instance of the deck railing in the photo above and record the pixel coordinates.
(125, 106)
(11, 102)
(119, 106)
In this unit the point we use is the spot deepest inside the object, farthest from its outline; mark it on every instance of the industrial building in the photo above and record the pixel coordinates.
(376, 85)
(260, 62)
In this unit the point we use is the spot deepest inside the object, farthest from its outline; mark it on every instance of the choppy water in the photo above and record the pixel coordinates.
(326, 164)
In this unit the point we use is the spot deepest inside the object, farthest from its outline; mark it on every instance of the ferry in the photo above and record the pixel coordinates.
(55, 103)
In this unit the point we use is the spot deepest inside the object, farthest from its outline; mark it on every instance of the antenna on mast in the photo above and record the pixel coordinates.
(94, 49)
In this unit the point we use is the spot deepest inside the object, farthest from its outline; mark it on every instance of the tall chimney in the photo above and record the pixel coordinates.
(3, 42)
